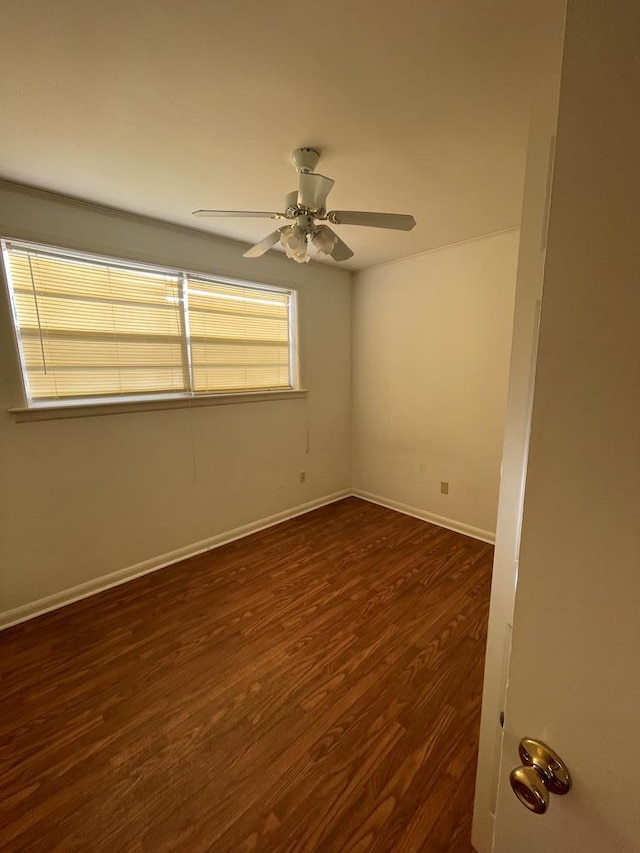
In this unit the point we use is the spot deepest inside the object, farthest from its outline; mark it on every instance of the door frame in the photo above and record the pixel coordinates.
(529, 279)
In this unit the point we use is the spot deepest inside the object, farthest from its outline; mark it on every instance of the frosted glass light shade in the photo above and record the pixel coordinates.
(324, 240)
(294, 241)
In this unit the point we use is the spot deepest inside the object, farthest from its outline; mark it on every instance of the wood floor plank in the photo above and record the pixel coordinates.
(312, 687)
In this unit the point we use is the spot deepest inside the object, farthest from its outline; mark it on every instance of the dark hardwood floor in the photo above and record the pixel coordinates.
(315, 686)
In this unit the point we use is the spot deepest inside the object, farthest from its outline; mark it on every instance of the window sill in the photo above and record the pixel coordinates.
(92, 410)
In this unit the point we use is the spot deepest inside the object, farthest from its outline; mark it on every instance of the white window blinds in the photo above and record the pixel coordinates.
(94, 328)
(239, 337)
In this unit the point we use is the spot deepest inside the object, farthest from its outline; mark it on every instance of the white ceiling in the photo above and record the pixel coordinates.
(160, 107)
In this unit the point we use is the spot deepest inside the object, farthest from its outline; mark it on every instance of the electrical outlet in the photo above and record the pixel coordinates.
(444, 488)
(303, 476)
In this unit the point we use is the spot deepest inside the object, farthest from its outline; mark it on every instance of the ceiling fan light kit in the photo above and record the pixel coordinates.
(306, 205)
(293, 238)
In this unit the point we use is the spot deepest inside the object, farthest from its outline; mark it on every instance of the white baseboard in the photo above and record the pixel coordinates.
(449, 523)
(84, 590)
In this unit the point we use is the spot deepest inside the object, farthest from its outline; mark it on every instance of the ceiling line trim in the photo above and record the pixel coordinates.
(108, 210)
(497, 233)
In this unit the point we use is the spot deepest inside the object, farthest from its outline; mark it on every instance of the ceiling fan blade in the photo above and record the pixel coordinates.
(261, 214)
(395, 221)
(313, 190)
(341, 252)
(264, 245)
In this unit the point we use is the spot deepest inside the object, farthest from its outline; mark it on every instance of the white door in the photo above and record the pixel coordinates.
(574, 678)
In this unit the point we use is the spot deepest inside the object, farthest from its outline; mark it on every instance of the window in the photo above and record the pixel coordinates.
(93, 329)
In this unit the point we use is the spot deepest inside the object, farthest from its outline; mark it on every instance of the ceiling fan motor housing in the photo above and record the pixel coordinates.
(291, 204)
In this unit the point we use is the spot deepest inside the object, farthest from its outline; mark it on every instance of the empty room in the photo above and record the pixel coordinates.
(317, 433)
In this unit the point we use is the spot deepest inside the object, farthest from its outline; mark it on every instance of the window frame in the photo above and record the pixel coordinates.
(34, 409)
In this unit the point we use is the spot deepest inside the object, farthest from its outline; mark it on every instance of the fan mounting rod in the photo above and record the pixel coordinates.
(305, 159)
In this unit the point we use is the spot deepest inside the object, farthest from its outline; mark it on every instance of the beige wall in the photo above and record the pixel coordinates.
(430, 371)
(86, 497)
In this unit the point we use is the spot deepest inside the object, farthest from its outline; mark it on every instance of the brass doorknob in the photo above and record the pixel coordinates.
(543, 773)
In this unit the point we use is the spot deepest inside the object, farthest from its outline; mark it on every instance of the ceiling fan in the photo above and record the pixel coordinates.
(304, 207)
